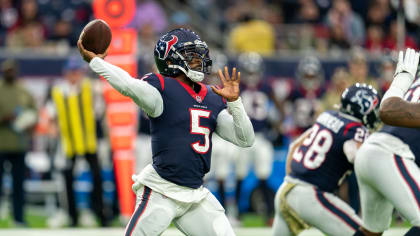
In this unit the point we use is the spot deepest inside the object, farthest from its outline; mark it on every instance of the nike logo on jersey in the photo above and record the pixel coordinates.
(198, 98)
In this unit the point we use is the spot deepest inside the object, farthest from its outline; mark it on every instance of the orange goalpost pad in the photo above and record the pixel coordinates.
(124, 42)
(124, 168)
(123, 125)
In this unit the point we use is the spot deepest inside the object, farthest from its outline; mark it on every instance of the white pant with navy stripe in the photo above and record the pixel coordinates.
(386, 180)
(322, 210)
(155, 212)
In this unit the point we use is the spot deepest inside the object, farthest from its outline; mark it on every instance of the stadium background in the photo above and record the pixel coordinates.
(41, 36)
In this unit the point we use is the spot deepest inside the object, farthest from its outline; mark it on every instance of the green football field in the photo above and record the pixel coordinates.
(252, 225)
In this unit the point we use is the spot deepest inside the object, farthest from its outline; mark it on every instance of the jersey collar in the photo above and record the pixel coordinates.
(199, 97)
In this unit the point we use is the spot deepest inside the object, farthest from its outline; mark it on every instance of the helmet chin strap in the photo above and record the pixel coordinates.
(193, 75)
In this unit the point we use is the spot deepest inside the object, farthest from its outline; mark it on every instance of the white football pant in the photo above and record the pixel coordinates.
(322, 210)
(154, 213)
(386, 180)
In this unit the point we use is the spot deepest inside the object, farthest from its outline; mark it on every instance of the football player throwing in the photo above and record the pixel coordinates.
(183, 114)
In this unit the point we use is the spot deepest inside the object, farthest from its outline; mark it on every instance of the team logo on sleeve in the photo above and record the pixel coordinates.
(164, 45)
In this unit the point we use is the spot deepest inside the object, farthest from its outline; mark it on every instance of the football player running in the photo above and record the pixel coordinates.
(183, 114)
(387, 164)
(316, 163)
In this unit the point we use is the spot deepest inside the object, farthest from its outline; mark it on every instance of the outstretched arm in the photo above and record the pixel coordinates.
(394, 110)
(398, 112)
(233, 124)
(143, 94)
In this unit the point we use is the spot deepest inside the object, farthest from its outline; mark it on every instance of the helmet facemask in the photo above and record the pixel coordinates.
(311, 81)
(195, 61)
(372, 120)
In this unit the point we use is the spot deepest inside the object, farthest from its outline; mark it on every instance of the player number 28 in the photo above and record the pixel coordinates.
(196, 114)
(319, 143)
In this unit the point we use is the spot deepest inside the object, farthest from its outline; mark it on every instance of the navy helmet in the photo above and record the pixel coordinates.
(310, 73)
(250, 62)
(176, 49)
(362, 102)
(251, 66)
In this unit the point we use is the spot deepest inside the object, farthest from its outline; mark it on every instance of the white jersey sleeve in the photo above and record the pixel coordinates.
(233, 125)
(143, 94)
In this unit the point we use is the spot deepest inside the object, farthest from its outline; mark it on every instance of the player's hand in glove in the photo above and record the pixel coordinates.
(405, 73)
(88, 55)
(408, 63)
(230, 89)
(394, 110)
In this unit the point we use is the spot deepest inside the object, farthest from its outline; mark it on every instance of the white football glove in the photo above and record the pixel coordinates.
(405, 73)
(408, 64)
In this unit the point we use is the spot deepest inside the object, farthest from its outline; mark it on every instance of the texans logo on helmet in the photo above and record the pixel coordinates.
(366, 102)
(164, 46)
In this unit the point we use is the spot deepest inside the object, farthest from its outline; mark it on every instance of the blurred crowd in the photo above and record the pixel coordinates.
(42, 24)
(264, 26)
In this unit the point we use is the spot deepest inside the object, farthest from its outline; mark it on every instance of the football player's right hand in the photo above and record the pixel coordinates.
(408, 63)
(88, 55)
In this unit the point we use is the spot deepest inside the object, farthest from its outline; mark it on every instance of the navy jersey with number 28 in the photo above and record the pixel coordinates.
(320, 159)
(181, 135)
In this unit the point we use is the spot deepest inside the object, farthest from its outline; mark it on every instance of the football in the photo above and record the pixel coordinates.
(96, 36)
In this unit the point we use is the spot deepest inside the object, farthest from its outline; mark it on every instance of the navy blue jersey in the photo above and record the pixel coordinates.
(256, 103)
(410, 136)
(181, 136)
(304, 106)
(144, 124)
(320, 159)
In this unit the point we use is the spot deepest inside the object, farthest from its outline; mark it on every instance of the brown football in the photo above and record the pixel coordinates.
(96, 36)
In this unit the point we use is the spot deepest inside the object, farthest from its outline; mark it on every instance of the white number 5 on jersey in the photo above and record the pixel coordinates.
(197, 129)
